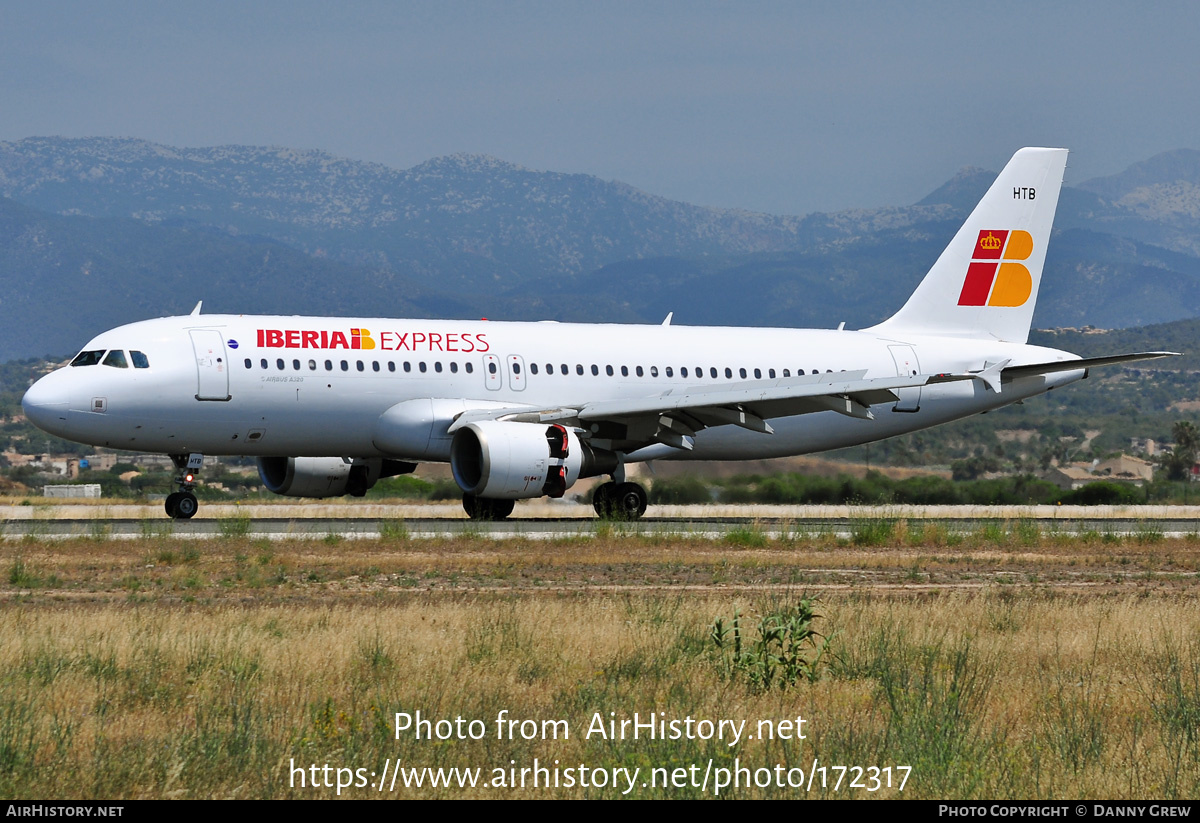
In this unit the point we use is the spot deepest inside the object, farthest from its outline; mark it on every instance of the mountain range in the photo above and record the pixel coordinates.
(96, 232)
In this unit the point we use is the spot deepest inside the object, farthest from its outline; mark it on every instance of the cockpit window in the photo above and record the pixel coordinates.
(140, 361)
(88, 358)
(116, 359)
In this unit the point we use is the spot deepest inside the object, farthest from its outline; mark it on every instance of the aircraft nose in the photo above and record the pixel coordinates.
(45, 404)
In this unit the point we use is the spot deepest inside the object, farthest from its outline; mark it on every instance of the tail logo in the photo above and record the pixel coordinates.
(993, 276)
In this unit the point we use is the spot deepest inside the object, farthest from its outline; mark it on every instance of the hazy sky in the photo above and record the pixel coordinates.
(780, 107)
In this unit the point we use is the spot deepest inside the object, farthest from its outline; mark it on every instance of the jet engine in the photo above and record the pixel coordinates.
(514, 461)
(326, 476)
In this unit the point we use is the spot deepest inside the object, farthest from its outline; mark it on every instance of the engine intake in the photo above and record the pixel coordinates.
(515, 461)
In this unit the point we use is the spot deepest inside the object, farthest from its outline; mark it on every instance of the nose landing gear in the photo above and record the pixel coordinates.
(182, 505)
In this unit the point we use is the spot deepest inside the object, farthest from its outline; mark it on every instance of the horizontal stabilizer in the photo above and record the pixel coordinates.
(1083, 363)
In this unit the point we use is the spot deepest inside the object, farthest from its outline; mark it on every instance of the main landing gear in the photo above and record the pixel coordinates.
(486, 508)
(612, 501)
(619, 501)
(182, 505)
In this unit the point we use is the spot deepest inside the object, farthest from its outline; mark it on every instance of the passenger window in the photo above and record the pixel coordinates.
(437, 367)
(532, 368)
(328, 365)
(279, 364)
(608, 370)
(683, 372)
(312, 365)
(579, 368)
(742, 373)
(116, 359)
(639, 371)
(516, 368)
(296, 365)
(345, 366)
(421, 366)
(391, 365)
(140, 361)
(771, 373)
(374, 365)
(712, 371)
(654, 371)
(565, 370)
(454, 367)
(624, 371)
(670, 372)
(595, 370)
(491, 368)
(470, 367)
(88, 358)
(728, 372)
(263, 363)
(758, 374)
(360, 365)
(249, 363)
(407, 366)
(787, 373)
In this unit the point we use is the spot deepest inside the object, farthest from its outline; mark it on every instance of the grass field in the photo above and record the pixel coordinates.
(1006, 663)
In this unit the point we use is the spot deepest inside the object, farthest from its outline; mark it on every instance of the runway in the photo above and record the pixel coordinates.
(565, 520)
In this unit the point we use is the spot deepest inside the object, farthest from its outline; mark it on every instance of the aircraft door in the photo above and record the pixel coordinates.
(212, 364)
(906, 366)
(491, 372)
(516, 373)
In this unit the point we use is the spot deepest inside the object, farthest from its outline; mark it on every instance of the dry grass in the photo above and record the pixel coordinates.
(163, 668)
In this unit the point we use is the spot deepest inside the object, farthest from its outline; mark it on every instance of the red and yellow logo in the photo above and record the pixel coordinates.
(991, 279)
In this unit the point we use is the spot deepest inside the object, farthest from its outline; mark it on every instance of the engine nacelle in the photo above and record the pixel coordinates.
(326, 476)
(515, 461)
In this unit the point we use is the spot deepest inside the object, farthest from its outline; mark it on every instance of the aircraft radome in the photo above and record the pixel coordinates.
(329, 405)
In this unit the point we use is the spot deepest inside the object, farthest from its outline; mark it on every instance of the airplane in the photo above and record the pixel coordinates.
(521, 410)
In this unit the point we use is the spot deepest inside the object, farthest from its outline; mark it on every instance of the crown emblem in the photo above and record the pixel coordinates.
(991, 242)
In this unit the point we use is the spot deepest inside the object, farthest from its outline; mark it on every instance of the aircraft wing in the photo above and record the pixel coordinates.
(675, 415)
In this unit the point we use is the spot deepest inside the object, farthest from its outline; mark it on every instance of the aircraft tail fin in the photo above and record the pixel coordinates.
(985, 283)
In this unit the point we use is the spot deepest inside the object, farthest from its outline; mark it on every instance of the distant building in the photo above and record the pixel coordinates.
(1127, 469)
(101, 462)
(1121, 469)
(1069, 477)
(1146, 446)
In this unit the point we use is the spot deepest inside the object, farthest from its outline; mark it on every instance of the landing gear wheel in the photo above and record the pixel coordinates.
(619, 501)
(181, 505)
(485, 508)
(186, 507)
(629, 501)
(602, 500)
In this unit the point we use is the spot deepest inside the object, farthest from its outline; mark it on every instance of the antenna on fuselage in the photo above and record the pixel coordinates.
(667, 322)
(197, 309)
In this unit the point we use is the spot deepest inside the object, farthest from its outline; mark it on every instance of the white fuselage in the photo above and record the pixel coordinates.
(296, 386)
